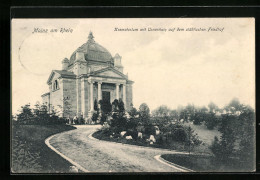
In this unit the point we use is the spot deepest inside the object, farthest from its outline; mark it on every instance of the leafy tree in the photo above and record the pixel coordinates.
(212, 107)
(121, 107)
(133, 112)
(119, 121)
(174, 114)
(190, 110)
(161, 111)
(198, 118)
(246, 135)
(144, 113)
(106, 107)
(184, 115)
(66, 107)
(225, 148)
(26, 115)
(94, 117)
(211, 120)
(234, 105)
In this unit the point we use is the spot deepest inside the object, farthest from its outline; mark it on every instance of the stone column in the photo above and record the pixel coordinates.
(99, 91)
(117, 91)
(83, 108)
(91, 96)
(124, 94)
(78, 92)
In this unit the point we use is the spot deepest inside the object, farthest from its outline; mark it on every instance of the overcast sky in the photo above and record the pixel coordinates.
(168, 68)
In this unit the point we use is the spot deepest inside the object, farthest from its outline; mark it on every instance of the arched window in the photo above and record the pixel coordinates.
(55, 85)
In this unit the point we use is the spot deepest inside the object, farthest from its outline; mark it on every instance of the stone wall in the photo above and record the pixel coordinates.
(70, 94)
(56, 97)
(129, 96)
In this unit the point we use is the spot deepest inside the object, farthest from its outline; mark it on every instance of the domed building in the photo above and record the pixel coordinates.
(90, 74)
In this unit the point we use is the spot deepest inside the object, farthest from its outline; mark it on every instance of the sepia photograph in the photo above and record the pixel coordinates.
(131, 95)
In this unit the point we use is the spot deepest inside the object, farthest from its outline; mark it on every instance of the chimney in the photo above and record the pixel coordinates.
(65, 64)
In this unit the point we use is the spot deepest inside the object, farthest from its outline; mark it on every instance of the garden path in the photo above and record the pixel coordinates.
(103, 156)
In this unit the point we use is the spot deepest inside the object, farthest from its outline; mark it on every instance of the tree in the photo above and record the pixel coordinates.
(234, 106)
(174, 114)
(106, 107)
(211, 121)
(224, 149)
(190, 110)
(161, 111)
(119, 121)
(65, 107)
(26, 115)
(246, 135)
(212, 107)
(184, 115)
(133, 112)
(144, 113)
(121, 107)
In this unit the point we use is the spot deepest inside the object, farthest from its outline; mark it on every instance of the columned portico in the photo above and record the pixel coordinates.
(124, 93)
(91, 96)
(99, 91)
(117, 91)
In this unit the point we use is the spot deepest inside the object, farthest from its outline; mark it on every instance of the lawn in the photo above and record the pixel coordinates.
(200, 163)
(29, 152)
(205, 135)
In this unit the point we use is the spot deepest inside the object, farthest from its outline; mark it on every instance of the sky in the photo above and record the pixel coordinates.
(168, 67)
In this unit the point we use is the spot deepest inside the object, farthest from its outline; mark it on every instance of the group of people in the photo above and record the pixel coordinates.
(75, 120)
(80, 120)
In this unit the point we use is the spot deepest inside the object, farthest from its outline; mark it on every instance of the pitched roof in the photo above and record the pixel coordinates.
(109, 69)
(63, 73)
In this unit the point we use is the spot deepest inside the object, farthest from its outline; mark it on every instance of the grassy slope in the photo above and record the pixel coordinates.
(203, 164)
(29, 152)
(205, 135)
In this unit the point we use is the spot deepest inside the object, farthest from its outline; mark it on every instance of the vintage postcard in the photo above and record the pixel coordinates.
(133, 95)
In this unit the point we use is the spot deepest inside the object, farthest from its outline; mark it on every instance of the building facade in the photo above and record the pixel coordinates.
(90, 74)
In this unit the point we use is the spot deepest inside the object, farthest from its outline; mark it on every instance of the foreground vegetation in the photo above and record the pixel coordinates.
(202, 163)
(29, 153)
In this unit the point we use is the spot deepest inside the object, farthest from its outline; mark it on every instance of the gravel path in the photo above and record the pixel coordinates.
(102, 156)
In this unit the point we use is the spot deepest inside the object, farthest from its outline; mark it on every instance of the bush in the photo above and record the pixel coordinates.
(38, 115)
(179, 135)
(211, 121)
(132, 123)
(94, 117)
(132, 133)
(216, 147)
(149, 129)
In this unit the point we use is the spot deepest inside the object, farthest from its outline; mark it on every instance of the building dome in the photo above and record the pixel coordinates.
(92, 51)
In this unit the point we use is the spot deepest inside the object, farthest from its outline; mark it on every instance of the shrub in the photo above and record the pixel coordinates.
(216, 147)
(211, 121)
(94, 117)
(179, 135)
(132, 123)
(149, 129)
(132, 133)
